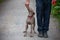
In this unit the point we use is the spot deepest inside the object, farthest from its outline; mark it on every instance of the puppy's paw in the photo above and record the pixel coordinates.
(25, 35)
(31, 35)
(24, 31)
(35, 32)
(31, 32)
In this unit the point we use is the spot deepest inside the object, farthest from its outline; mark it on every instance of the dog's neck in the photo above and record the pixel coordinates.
(30, 16)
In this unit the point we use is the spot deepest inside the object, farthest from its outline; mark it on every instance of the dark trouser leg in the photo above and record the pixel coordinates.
(39, 7)
(43, 7)
(47, 10)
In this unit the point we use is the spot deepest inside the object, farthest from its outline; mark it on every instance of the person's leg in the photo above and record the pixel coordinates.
(39, 7)
(47, 12)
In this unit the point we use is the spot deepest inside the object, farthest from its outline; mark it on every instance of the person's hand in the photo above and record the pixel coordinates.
(27, 3)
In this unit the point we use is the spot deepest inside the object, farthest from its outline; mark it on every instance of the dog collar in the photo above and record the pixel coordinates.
(30, 17)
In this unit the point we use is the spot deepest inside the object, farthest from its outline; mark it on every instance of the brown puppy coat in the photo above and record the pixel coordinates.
(30, 21)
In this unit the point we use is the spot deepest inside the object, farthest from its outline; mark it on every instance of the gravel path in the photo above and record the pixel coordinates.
(12, 22)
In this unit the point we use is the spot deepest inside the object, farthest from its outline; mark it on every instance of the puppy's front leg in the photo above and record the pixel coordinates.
(26, 28)
(31, 32)
(34, 28)
(31, 29)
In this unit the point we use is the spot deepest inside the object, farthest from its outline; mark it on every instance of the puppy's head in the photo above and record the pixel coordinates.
(31, 12)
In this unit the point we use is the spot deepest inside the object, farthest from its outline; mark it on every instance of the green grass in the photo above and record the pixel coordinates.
(56, 14)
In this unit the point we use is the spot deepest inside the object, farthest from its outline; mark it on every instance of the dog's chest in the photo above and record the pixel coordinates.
(30, 20)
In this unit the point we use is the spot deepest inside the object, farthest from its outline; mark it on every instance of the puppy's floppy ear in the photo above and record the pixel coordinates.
(33, 13)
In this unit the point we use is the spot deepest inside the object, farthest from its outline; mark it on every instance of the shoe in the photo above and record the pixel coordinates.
(40, 34)
(45, 35)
